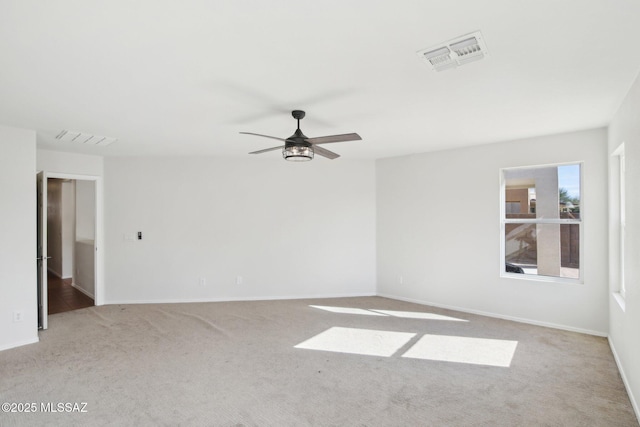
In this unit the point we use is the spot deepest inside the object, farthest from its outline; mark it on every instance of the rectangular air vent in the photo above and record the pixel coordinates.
(84, 138)
(455, 52)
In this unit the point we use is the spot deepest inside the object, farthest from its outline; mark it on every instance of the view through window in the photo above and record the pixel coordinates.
(542, 221)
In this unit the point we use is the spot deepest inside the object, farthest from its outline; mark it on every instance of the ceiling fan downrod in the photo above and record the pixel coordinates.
(298, 115)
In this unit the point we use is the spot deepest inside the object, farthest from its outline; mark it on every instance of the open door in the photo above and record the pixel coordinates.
(41, 185)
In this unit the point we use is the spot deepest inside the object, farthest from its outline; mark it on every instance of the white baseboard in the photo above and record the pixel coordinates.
(19, 343)
(499, 316)
(634, 403)
(58, 275)
(230, 299)
(84, 291)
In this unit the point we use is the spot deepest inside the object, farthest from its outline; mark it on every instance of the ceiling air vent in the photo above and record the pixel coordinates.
(459, 51)
(84, 138)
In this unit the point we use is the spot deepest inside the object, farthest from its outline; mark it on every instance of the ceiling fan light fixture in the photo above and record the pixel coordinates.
(296, 153)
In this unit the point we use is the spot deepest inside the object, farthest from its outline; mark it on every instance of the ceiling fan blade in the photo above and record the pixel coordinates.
(325, 153)
(334, 138)
(264, 136)
(267, 149)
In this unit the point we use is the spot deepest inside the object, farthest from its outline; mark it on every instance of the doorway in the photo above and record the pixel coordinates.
(68, 231)
(70, 244)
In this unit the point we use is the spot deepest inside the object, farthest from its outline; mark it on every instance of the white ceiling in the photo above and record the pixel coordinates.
(184, 77)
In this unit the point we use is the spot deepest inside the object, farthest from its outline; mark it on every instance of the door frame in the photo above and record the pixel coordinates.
(99, 231)
(42, 252)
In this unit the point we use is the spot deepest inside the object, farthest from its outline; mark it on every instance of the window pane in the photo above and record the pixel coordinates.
(543, 249)
(569, 191)
(544, 192)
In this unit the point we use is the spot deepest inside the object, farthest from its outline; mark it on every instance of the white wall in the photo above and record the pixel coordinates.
(290, 230)
(69, 163)
(85, 210)
(624, 325)
(438, 227)
(18, 237)
(84, 254)
(68, 227)
(84, 277)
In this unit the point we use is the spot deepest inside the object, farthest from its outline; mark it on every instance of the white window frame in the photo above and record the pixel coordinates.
(619, 153)
(504, 220)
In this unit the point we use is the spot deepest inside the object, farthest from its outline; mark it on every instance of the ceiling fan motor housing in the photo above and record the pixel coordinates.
(298, 139)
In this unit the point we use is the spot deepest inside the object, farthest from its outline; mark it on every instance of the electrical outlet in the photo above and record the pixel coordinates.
(401, 279)
(203, 281)
(17, 316)
(238, 280)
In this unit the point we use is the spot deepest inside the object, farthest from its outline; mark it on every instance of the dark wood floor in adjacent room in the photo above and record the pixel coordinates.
(64, 297)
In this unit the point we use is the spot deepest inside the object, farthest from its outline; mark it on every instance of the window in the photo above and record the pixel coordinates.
(619, 161)
(542, 222)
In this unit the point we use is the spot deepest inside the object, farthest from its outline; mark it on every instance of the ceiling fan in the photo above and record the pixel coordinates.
(300, 148)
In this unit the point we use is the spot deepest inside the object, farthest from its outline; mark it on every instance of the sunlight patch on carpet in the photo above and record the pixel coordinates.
(347, 310)
(393, 313)
(477, 351)
(418, 315)
(357, 341)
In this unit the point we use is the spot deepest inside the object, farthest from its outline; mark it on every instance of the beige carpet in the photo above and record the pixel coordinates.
(228, 364)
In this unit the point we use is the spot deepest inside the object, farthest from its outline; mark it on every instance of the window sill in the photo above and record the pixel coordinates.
(620, 300)
(545, 279)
